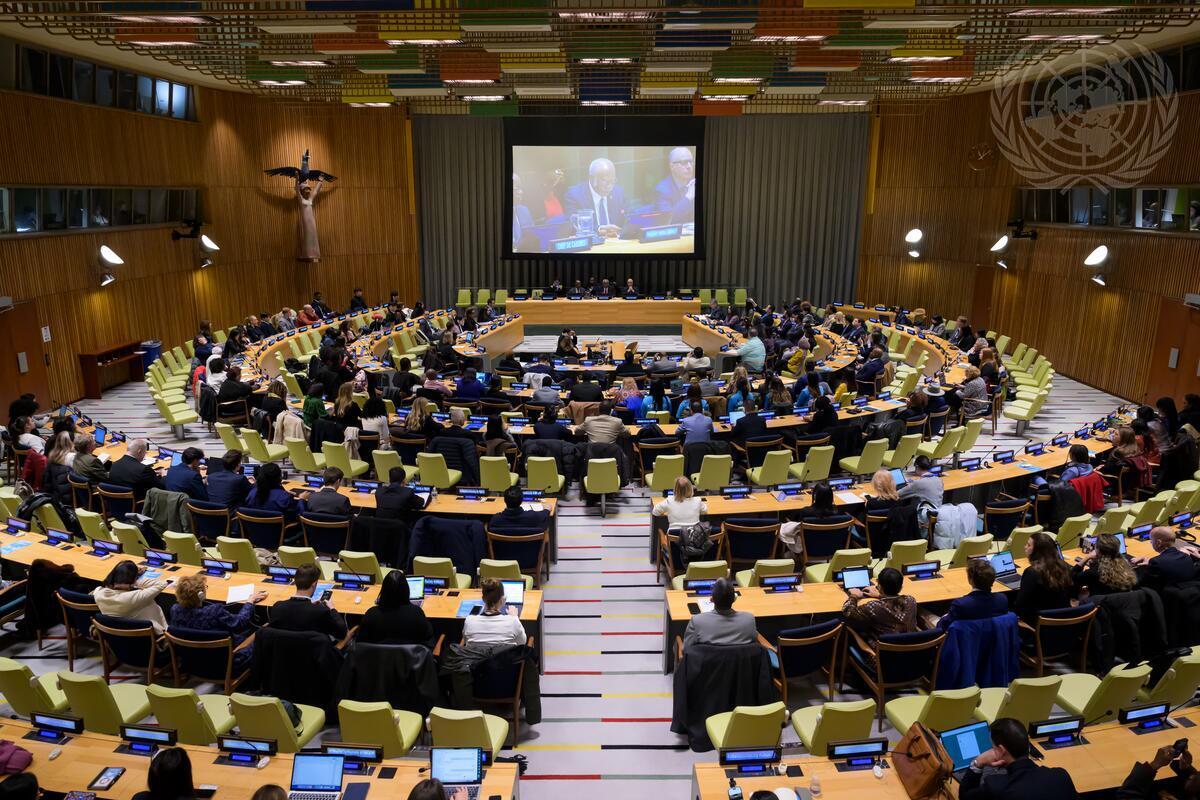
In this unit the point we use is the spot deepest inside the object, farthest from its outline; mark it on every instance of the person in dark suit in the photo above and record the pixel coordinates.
(749, 425)
(301, 613)
(547, 428)
(522, 219)
(457, 428)
(357, 301)
(1170, 567)
(233, 389)
(600, 195)
(394, 619)
(328, 500)
(980, 602)
(604, 289)
(1005, 772)
(676, 193)
(226, 483)
(586, 391)
(185, 476)
(394, 500)
(514, 518)
(631, 289)
(128, 470)
(1182, 782)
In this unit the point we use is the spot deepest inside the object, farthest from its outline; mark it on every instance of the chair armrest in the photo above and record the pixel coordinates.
(248, 642)
(766, 643)
(737, 447)
(860, 643)
(349, 638)
(437, 647)
(1023, 625)
(678, 649)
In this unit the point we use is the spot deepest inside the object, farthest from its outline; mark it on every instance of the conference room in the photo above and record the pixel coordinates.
(447, 401)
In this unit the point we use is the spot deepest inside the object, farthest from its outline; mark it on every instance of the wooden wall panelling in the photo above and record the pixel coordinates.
(1100, 335)
(366, 218)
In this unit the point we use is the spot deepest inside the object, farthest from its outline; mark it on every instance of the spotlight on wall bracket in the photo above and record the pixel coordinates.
(204, 241)
(1019, 232)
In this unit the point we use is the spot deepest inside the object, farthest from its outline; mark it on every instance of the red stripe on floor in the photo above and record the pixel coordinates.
(544, 600)
(579, 547)
(634, 719)
(631, 633)
(627, 572)
(560, 777)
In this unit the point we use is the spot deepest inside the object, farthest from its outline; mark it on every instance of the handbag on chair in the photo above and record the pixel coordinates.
(922, 764)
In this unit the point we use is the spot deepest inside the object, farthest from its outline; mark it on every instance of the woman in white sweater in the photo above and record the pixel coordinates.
(123, 595)
(683, 508)
(498, 623)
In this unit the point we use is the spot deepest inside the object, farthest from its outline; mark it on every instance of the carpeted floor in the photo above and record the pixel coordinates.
(606, 703)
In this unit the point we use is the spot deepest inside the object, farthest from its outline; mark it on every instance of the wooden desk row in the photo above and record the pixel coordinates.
(1102, 764)
(85, 755)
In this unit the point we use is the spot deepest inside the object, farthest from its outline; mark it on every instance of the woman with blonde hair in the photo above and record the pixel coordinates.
(420, 420)
(59, 459)
(1105, 570)
(739, 374)
(345, 409)
(682, 508)
(883, 494)
(191, 611)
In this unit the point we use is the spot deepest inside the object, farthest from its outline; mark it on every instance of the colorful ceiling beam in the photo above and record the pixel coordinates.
(468, 64)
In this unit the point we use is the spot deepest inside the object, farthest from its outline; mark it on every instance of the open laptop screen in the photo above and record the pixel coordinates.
(514, 592)
(455, 765)
(963, 744)
(316, 773)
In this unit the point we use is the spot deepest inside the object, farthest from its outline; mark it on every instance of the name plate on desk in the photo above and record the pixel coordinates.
(573, 244)
(661, 233)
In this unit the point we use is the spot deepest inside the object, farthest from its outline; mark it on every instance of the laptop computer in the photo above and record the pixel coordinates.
(457, 768)
(856, 578)
(964, 743)
(1006, 570)
(514, 592)
(316, 777)
(416, 588)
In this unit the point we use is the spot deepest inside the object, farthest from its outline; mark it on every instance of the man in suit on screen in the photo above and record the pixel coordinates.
(602, 196)
(676, 193)
(522, 220)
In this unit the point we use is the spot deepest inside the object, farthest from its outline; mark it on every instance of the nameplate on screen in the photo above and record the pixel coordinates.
(574, 244)
(661, 233)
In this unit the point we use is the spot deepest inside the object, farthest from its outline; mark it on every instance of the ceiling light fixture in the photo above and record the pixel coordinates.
(604, 103)
(938, 79)
(207, 244)
(275, 83)
(205, 262)
(914, 253)
(484, 98)
(430, 42)
(161, 43)
(606, 61)
(919, 59)
(109, 257)
(775, 38)
(469, 81)
(1063, 12)
(1001, 263)
(302, 62)
(106, 278)
(166, 19)
(738, 80)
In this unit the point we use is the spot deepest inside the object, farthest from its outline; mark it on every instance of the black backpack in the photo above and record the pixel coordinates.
(694, 542)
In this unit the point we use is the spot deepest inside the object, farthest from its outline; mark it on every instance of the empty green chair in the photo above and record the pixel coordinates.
(292, 557)
(177, 416)
(26, 693)
(302, 458)
(187, 547)
(336, 456)
(240, 551)
(431, 567)
(819, 725)
(104, 708)
(942, 447)
(377, 723)
(722, 297)
(853, 557)
(541, 472)
(494, 474)
(714, 474)
(196, 719)
(1025, 700)
(968, 547)
(464, 298)
(364, 563)
(764, 568)
(969, 437)
(1071, 529)
(1099, 699)
(453, 728)
(909, 551)
(260, 450)
(747, 726)
(1177, 686)
(501, 298)
(698, 570)
(705, 297)
(905, 452)
(386, 460)
(482, 296)
(504, 570)
(739, 298)
(229, 438)
(92, 525)
(774, 469)
(666, 470)
(434, 472)
(130, 537)
(940, 710)
(869, 461)
(265, 718)
(603, 479)
(816, 466)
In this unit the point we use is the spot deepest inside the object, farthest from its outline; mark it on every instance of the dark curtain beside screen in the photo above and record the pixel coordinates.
(783, 201)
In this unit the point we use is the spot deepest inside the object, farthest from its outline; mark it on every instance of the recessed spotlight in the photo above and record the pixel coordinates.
(914, 236)
(484, 98)
(1097, 256)
(469, 81)
(304, 62)
(205, 262)
(606, 61)
(604, 103)
(282, 83)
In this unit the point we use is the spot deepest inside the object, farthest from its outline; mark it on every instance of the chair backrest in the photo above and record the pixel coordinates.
(1030, 699)
(124, 640)
(240, 551)
(768, 567)
(755, 726)
(950, 708)
(542, 473)
(714, 472)
(970, 436)
(818, 463)
(433, 469)
(665, 470)
(431, 567)
(1018, 537)
(384, 461)
(370, 723)
(130, 538)
(203, 654)
(906, 448)
(79, 610)
(757, 447)
(904, 658)
(184, 545)
(115, 501)
(328, 534)
(1001, 517)
(1177, 686)
(301, 457)
(872, 456)
(263, 528)
(264, 718)
(805, 650)
(23, 693)
(841, 722)
(494, 474)
(748, 540)
(971, 546)
(602, 475)
(179, 709)
(255, 444)
(209, 520)
(81, 491)
(698, 570)
(89, 697)
(528, 550)
(336, 456)
(1064, 631)
(453, 728)
(1117, 690)
(823, 539)
(1073, 527)
(906, 552)
(774, 467)
(851, 557)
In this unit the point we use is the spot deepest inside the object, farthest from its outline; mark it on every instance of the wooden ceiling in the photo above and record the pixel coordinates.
(507, 57)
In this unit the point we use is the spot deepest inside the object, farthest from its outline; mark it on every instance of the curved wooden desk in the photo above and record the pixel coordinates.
(566, 313)
(85, 755)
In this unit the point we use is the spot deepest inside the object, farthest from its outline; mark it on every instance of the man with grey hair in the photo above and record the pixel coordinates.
(458, 426)
(602, 196)
(128, 470)
(676, 193)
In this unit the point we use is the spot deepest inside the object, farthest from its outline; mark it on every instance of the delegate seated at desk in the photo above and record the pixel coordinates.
(301, 613)
(1006, 772)
(722, 625)
(327, 499)
(514, 519)
(981, 602)
(129, 471)
(185, 476)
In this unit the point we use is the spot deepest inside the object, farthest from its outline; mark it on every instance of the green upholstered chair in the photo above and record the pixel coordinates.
(602, 479)
(230, 439)
(197, 719)
(541, 472)
(1177, 686)
(853, 557)
(764, 568)
(968, 547)
(1025, 700)
(1099, 699)
(666, 469)
(336, 456)
(240, 551)
(715, 473)
(697, 570)
(939, 710)
(104, 708)
(869, 461)
(774, 469)
(819, 725)
(747, 726)
(302, 458)
(453, 728)
(430, 567)
(379, 724)
(905, 452)
(26, 693)
(909, 551)
(815, 467)
(494, 474)
(260, 450)
(364, 563)
(265, 718)
(434, 472)
(386, 460)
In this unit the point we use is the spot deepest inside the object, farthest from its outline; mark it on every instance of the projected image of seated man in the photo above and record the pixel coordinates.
(618, 199)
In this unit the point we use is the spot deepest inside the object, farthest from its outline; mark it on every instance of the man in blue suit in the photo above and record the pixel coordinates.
(676, 193)
(601, 195)
(980, 602)
(185, 476)
(1170, 567)
(514, 519)
(522, 220)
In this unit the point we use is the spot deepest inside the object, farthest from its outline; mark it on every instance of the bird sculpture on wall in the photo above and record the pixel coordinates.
(302, 174)
(308, 248)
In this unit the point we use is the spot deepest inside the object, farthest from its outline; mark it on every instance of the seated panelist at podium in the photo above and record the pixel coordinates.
(630, 289)
(601, 195)
(676, 193)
